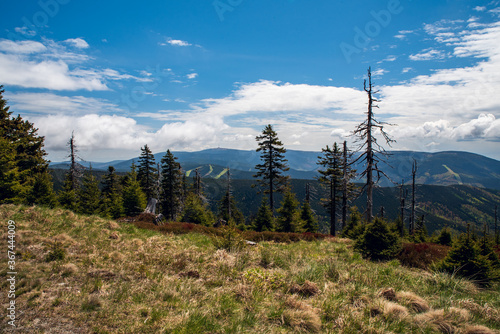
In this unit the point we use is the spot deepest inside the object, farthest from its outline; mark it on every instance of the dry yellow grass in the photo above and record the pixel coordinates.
(414, 302)
(146, 282)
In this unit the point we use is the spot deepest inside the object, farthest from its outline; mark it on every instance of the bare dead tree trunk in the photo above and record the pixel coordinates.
(308, 192)
(229, 194)
(412, 219)
(496, 226)
(344, 186)
(372, 151)
(369, 153)
(402, 197)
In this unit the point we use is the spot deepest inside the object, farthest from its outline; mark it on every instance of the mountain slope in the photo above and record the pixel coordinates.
(441, 168)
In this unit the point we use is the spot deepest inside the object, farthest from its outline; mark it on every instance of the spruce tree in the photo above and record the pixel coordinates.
(465, 259)
(270, 171)
(310, 222)
(10, 185)
(288, 219)
(134, 200)
(331, 175)
(444, 237)
(264, 220)
(378, 242)
(89, 194)
(42, 192)
(147, 173)
(171, 196)
(354, 227)
(68, 197)
(112, 202)
(196, 211)
(23, 159)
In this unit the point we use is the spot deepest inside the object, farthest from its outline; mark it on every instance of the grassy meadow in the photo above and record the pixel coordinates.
(85, 274)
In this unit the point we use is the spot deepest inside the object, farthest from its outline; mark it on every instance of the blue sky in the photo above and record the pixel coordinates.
(189, 75)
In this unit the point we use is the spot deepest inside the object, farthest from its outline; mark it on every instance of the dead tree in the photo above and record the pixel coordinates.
(496, 227)
(403, 193)
(75, 169)
(412, 218)
(372, 152)
(348, 173)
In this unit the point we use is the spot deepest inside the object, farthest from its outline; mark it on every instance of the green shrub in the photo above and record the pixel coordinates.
(378, 242)
(444, 237)
(465, 259)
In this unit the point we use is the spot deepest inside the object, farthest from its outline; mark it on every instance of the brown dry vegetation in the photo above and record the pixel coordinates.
(116, 278)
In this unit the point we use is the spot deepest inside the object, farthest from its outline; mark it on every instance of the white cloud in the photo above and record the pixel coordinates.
(428, 54)
(407, 69)
(379, 72)
(192, 75)
(479, 8)
(93, 132)
(25, 31)
(19, 71)
(48, 103)
(78, 43)
(21, 47)
(49, 65)
(485, 126)
(176, 42)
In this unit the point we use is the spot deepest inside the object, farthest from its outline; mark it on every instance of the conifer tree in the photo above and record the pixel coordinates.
(354, 227)
(112, 202)
(331, 177)
(310, 222)
(171, 196)
(228, 210)
(147, 173)
(288, 215)
(378, 242)
(372, 152)
(24, 158)
(464, 259)
(196, 211)
(444, 237)
(68, 197)
(89, 194)
(264, 220)
(10, 185)
(42, 192)
(270, 171)
(134, 200)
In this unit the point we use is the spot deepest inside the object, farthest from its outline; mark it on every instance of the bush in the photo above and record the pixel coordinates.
(354, 227)
(378, 242)
(444, 237)
(465, 259)
(422, 255)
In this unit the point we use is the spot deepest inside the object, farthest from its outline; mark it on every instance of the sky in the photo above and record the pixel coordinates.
(196, 74)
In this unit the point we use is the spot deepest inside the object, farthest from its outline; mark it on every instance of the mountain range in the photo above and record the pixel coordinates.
(440, 168)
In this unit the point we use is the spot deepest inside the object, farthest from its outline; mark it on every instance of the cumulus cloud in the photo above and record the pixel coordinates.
(192, 75)
(21, 47)
(79, 43)
(93, 132)
(485, 126)
(48, 64)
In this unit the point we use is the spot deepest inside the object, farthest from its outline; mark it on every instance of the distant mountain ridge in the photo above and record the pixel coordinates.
(440, 168)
